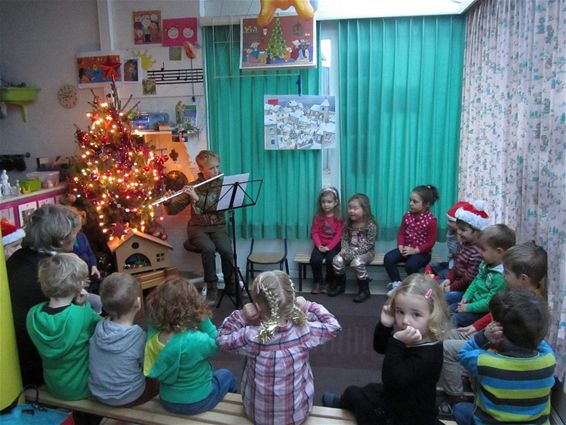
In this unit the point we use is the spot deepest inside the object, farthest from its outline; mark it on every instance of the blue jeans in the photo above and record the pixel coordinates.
(464, 318)
(413, 263)
(223, 382)
(463, 413)
(440, 268)
(454, 297)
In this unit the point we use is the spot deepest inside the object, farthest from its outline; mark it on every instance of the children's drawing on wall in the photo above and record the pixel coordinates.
(147, 27)
(186, 120)
(287, 41)
(132, 70)
(96, 69)
(177, 31)
(299, 122)
(175, 53)
(146, 58)
(149, 86)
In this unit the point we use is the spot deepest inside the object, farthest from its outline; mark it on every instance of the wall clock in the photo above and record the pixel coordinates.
(67, 96)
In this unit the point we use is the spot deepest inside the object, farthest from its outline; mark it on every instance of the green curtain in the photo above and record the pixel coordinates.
(291, 179)
(400, 94)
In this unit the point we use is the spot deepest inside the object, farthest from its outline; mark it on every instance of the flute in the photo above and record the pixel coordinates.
(184, 190)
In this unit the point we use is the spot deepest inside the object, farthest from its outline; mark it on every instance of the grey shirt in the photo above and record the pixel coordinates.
(116, 363)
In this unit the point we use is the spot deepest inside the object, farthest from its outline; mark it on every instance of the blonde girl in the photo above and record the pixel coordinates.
(275, 334)
(327, 226)
(181, 341)
(409, 334)
(358, 242)
(416, 237)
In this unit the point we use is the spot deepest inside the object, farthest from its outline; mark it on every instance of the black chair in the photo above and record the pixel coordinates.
(262, 259)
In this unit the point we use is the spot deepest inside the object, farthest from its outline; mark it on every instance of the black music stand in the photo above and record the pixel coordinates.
(234, 195)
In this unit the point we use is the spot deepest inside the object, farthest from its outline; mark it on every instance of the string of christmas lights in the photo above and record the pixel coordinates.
(116, 170)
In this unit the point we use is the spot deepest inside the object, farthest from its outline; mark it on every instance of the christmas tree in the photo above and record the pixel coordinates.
(276, 46)
(116, 170)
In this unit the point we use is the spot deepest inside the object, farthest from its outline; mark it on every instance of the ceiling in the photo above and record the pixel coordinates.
(217, 12)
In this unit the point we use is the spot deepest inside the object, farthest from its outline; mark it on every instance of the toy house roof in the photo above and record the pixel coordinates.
(115, 243)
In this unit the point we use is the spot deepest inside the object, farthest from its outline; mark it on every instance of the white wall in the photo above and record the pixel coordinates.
(38, 43)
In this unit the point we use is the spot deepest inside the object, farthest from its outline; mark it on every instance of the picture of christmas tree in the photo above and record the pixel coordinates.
(276, 47)
(116, 170)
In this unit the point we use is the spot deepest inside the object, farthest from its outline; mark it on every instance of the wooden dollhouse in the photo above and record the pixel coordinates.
(139, 252)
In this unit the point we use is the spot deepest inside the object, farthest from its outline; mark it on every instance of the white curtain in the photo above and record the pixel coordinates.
(513, 134)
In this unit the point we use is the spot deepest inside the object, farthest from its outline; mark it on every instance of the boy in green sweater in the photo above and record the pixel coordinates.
(493, 243)
(61, 327)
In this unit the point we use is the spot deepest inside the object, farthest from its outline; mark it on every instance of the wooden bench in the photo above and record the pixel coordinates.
(303, 260)
(228, 412)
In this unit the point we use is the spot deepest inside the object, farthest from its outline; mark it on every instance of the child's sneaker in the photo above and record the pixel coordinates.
(392, 286)
(330, 399)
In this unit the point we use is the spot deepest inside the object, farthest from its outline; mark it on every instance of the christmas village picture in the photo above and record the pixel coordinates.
(299, 122)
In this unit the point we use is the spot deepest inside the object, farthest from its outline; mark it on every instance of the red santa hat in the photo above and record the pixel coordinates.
(10, 233)
(474, 214)
(451, 214)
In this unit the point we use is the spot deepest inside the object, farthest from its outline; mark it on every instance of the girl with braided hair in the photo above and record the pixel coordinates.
(275, 334)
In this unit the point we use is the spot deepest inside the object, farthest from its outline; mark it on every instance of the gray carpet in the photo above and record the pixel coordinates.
(347, 360)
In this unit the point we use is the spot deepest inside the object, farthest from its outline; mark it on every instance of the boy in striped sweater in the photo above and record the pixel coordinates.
(512, 367)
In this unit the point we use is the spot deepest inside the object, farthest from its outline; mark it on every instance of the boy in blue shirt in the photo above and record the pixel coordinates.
(510, 363)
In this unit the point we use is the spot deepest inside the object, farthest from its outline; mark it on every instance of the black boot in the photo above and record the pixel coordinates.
(339, 285)
(363, 291)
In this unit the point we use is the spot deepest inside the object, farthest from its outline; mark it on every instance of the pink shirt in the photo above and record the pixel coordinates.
(326, 231)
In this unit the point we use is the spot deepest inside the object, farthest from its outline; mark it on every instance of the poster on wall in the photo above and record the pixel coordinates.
(287, 41)
(98, 68)
(132, 70)
(299, 122)
(147, 26)
(177, 31)
(25, 211)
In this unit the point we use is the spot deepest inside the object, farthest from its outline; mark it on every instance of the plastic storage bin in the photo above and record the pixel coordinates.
(48, 178)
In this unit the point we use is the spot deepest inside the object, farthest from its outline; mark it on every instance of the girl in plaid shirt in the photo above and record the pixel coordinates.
(275, 334)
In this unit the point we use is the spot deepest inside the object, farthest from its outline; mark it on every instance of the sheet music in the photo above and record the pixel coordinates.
(228, 188)
(176, 76)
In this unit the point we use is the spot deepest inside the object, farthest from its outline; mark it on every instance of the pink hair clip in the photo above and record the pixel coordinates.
(428, 294)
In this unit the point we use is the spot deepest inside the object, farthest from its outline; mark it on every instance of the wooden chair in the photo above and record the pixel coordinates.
(262, 259)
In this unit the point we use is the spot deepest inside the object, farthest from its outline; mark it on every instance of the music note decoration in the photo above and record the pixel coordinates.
(176, 76)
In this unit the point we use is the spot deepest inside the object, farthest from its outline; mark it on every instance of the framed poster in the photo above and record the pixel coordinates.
(131, 70)
(8, 214)
(45, 201)
(299, 122)
(177, 31)
(98, 69)
(25, 210)
(286, 42)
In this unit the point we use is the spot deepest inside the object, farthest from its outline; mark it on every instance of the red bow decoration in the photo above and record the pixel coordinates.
(111, 69)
